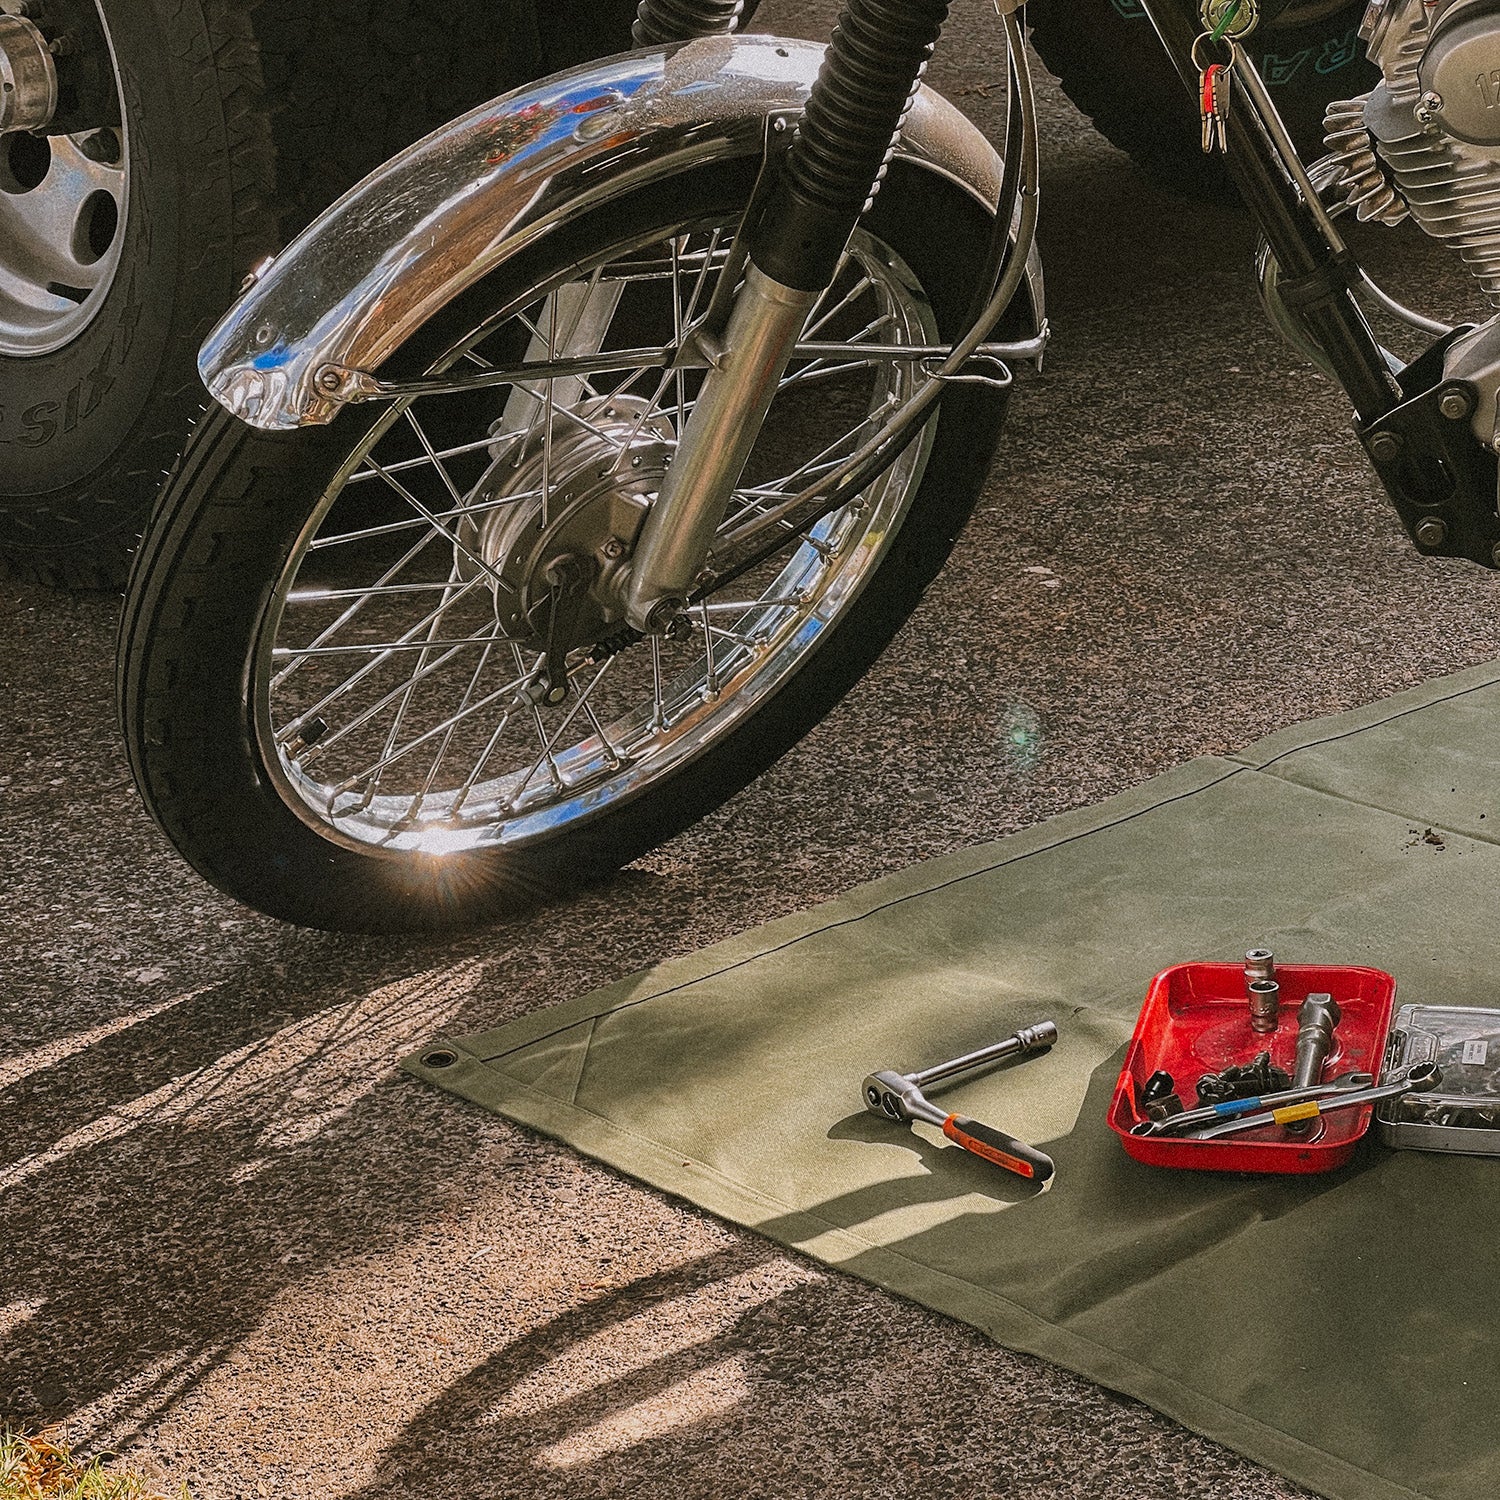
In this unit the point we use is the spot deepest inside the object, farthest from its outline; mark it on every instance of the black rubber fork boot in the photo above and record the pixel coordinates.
(836, 160)
(658, 22)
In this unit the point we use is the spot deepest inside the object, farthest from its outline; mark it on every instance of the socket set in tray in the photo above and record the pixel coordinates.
(1272, 1067)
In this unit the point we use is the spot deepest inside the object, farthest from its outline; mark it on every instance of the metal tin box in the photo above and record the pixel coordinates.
(1463, 1112)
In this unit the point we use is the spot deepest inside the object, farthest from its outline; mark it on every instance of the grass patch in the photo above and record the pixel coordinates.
(39, 1468)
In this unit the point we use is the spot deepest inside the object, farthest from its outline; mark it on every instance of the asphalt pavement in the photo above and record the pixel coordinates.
(243, 1249)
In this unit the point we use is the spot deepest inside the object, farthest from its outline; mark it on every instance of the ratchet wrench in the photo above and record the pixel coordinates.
(899, 1096)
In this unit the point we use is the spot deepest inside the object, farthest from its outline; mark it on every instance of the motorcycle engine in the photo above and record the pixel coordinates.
(1434, 121)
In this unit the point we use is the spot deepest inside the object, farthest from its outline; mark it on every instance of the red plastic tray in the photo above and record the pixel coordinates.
(1196, 1020)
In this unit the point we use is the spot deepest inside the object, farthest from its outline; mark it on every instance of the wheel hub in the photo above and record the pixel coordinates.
(28, 76)
(63, 197)
(577, 495)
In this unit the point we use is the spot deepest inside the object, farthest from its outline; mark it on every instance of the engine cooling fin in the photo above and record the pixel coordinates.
(1360, 183)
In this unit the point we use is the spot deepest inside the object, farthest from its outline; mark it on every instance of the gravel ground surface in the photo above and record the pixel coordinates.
(238, 1245)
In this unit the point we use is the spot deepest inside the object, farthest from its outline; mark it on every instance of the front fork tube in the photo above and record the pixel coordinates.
(745, 369)
(794, 234)
(1306, 246)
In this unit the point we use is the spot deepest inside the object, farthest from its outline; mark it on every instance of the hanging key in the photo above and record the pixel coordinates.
(1222, 88)
(1213, 106)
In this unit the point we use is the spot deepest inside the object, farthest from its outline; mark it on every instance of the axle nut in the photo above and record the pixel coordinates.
(1431, 532)
(1384, 447)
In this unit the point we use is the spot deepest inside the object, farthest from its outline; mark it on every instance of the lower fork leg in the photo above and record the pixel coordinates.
(711, 454)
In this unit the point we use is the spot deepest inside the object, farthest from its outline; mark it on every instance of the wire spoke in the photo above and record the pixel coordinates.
(711, 680)
(393, 734)
(347, 615)
(471, 780)
(431, 518)
(383, 655)
(513, 690)
(437, 760)
(361, 476)
(750, 642)
(549, 744)
(754, 499)
(744, 606)
(478, 508)
(383, 702)
(818, 370)
(436, 462)
(658, 705)
(363, 648)
(810, 328)
(314, 595)
(615, 758)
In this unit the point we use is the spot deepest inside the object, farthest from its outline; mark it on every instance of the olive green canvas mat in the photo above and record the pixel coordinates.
(1342, 1329)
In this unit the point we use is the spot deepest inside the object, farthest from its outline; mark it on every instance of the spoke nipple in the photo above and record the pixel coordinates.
(306, 736)
(546, 694)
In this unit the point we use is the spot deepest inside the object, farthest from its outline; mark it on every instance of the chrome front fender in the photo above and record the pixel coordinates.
(365, 275)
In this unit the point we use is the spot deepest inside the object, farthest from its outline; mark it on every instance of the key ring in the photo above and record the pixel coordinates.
(1200, 64)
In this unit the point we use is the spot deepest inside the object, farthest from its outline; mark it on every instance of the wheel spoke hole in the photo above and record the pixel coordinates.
(103, 146)
(95, 228)
(24, 162)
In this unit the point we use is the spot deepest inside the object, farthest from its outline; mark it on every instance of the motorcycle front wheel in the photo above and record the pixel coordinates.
(333, 639)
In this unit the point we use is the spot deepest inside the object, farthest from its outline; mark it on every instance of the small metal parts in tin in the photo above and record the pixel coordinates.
(1464, 1114)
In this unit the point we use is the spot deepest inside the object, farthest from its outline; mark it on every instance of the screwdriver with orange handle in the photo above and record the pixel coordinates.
(899, 1096)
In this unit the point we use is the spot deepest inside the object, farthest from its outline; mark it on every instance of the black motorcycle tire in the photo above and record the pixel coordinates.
(243, 118)
(229, 518)
(1111, 65)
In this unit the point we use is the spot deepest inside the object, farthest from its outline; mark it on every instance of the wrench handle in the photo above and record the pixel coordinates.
(997, 1147)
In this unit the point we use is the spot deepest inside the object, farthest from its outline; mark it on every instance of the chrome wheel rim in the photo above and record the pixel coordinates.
(63, 206)
(394, 711)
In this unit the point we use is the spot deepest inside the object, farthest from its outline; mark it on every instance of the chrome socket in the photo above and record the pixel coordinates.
(1265, 1004)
